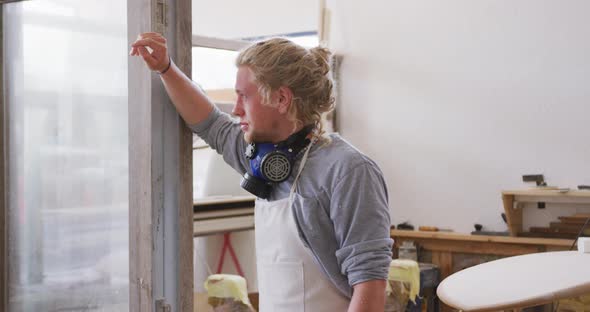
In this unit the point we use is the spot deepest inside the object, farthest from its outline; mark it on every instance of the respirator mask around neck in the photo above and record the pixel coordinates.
(273, 163)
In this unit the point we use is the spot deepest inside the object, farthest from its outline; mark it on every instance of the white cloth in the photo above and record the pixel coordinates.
(289, 280)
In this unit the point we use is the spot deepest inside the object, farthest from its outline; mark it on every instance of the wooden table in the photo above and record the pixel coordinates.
(449, 250)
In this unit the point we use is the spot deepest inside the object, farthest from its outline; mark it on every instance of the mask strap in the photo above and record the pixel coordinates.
(299, 170)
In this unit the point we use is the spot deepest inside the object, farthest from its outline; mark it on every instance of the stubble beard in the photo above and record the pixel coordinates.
(248, 137)
(253, 137)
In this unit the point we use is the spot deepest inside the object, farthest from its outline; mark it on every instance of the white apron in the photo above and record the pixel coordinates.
(289, 280)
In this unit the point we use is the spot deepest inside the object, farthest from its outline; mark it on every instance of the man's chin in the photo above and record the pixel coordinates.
(248, 138)
(251, 137)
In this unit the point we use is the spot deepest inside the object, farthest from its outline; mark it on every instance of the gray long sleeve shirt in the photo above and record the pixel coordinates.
(342, 212)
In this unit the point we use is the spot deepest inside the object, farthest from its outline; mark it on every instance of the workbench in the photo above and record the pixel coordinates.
(452, 252)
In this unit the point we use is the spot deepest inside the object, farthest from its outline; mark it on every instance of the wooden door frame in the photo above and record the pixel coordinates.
(3, 180)
(160, 168)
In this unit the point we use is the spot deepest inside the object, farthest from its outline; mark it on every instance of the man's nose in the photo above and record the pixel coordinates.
(237, 110)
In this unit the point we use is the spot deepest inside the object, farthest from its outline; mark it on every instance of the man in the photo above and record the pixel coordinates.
(321, 229)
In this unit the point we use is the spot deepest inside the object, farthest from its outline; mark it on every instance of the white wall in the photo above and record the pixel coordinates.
(457, 99)
(238, 19)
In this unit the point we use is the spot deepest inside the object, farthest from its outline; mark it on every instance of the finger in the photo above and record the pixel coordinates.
(153, 35)
(159, 39)
(134, 52)
(150, 33)
(149, 42)
(147, 35)
(147, 57)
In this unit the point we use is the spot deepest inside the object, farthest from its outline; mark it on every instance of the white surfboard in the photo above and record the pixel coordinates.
(517, 282)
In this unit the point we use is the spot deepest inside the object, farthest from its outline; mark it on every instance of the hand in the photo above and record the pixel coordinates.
(156, 60)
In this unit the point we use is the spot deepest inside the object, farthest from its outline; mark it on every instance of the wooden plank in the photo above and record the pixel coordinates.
(160, 179)
(566, 228)
(223, 204)
(224, 213)
(558, 231)
(221, 200)
(480, 238)
(555, 194)
(446, 264)
(222, 225)
(3, 181)
(172, 169)
(140, 173)
(322, 20)
(572, 220)
(554, 199)
(436, 259)
(444, 261)
(183, 57)
(513, 214)
(479, 248)
(548, 235)
(218, 43)
(483, 248)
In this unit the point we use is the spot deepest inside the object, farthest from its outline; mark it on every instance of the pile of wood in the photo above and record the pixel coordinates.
(567, 227)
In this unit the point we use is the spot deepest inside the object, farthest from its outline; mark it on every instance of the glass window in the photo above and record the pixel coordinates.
(215, 71)
(65, 77)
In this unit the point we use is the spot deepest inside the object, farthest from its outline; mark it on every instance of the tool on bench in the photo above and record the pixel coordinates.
(433, 229)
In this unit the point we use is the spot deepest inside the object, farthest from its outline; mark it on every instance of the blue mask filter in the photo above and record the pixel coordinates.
(272, 163)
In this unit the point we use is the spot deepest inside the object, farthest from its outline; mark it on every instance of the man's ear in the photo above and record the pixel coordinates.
(284, 99)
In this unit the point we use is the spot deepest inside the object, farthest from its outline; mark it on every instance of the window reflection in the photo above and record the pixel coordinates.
(66, 93)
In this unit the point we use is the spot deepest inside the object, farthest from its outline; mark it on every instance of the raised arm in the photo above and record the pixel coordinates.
(190, 101)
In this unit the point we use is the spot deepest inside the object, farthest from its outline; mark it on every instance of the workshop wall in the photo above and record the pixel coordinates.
(456, 100)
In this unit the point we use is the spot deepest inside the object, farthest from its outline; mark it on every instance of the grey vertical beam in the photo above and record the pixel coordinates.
(160, 176)
(140, 175)
(3, 180)
(183, 59)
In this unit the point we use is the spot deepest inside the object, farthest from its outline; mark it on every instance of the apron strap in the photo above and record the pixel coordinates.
(300, 169)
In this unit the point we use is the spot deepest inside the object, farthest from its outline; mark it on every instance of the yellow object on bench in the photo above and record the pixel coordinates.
(403, 284)
(227, 291)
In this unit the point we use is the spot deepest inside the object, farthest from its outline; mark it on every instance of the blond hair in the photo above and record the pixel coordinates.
(280, 62)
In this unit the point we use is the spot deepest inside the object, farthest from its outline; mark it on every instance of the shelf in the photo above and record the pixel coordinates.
(222, 225)
(514, 200)
(222, 214)
(550, 196)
